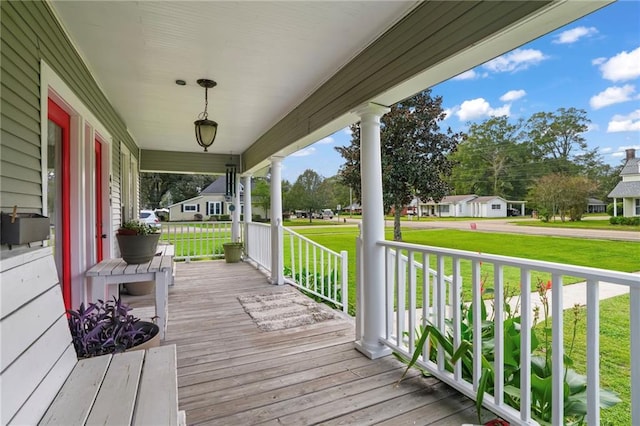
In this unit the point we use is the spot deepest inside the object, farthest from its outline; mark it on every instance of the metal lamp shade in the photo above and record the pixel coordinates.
(206, 132)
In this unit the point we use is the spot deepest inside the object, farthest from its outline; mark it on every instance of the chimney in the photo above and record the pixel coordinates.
(631, 154)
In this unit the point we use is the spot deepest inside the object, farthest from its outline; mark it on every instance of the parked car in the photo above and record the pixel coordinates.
(327, 214)
(150, 218)
(513, 212)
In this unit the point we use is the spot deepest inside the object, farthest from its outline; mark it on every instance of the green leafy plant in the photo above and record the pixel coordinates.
(322, 284)
(134, 227)
(575, 385)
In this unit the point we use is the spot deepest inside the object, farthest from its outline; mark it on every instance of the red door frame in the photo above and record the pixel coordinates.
(98, 195)
(62, 119)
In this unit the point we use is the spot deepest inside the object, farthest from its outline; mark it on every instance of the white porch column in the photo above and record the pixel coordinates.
(615, 207)
(372, 231)
(276, 222)
(522, 209)
(235, 216)
(247, 210)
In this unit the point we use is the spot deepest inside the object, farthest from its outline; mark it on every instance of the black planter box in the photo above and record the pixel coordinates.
(27, 228)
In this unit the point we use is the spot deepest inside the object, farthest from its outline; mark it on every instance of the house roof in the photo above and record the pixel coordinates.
(218, 186)
(487, 198)
(626, 190)
(592, 201)
(632, 167)
(452, 199)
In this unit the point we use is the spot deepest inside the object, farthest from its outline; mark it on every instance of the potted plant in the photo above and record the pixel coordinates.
(137, 241)
(107, 327)
(232, 251)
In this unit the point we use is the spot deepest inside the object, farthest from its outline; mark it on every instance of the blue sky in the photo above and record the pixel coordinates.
(591, 64)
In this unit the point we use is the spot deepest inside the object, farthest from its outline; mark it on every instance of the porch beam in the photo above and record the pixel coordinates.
(372, 232)
(185, 162)
(277, 251)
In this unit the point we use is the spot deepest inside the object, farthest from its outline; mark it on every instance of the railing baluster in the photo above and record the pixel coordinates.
(389, 288)
(426, 300)
(441, 300)
(456, 314)
(593, 352)
(476, 295)
(525, 345)
(557, 377)
(498, 304)
(412, 302)
(634, 306)
(400, 297)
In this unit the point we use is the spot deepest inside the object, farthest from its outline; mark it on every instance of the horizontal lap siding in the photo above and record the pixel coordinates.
(31, 33)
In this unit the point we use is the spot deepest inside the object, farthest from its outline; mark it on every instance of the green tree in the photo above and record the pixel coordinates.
(415, 154)
(261, 195)
(307, 193)
(491, 160)
(557, 139)
(559, 194)
(156, 187)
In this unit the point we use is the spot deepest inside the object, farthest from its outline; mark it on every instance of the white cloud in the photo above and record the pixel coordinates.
(517, 60)
(598, 61)
(347, 131)
(625, 123)
(467, 75)
(612, 95)
(512, 95)
(326, 141)
(592, 127)
(574, 34)
(305, 152)
(448, 112)
(621, 67)
(478, 108)
(606, 150)
(621, 152)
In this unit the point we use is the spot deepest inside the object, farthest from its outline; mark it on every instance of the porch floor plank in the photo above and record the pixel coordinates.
(230, 372)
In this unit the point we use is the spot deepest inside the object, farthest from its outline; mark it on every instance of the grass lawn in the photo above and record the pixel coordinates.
(582, 224)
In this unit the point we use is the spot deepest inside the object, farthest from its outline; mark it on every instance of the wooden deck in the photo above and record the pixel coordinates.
(230, 372)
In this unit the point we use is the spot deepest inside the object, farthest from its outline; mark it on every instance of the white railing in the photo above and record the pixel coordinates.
(258, 244)
(316, 269)
(197, 240)
(407, 288)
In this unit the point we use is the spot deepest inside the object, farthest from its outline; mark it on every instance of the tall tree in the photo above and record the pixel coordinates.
(261, 195)
(307, 193)
(557, 138)
(415, 154)
(491, 159)
(559, 194)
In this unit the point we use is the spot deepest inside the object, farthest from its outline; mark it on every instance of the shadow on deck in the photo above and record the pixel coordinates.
(230, 372)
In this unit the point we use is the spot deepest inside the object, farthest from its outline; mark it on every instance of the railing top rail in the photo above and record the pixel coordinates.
(259, 224)
(617, 277)
(447, 278)
(313, 243)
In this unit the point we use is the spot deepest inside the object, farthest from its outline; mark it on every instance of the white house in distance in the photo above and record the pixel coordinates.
(212, 201)
(469, 206)
(629, 188)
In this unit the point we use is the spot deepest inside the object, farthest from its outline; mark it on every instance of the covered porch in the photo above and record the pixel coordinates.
(231, 372)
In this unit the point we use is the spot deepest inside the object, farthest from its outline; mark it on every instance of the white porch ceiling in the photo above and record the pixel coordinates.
(268, 58)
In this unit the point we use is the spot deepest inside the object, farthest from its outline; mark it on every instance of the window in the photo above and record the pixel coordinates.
(637, 206)
(444, 208)
(496, 206)
(190, 207)
(215, 208)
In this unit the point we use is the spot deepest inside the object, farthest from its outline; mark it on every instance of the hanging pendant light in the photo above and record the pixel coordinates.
(205, 129)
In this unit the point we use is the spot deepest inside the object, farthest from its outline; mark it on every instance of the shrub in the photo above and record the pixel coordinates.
(619, 208)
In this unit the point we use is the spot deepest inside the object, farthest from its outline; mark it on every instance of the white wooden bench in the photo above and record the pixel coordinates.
(41, 380)
(111, 272)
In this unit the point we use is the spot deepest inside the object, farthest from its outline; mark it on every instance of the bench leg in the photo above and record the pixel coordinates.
(162, 301)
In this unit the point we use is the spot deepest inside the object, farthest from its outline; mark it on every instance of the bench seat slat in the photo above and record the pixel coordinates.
(158, 397)
(36, 405)
(116, 399)
(28, 371)
(74, 401)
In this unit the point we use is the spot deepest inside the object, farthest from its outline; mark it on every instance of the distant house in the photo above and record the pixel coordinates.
(212, 201)
(629, 188)
(596, 206)
(467, 206)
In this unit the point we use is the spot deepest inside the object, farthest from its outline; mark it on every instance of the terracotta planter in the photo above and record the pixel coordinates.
(140, 288)
(136, 249)
(232, 252)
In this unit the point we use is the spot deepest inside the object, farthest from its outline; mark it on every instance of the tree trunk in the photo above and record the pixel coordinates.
(397, 232)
